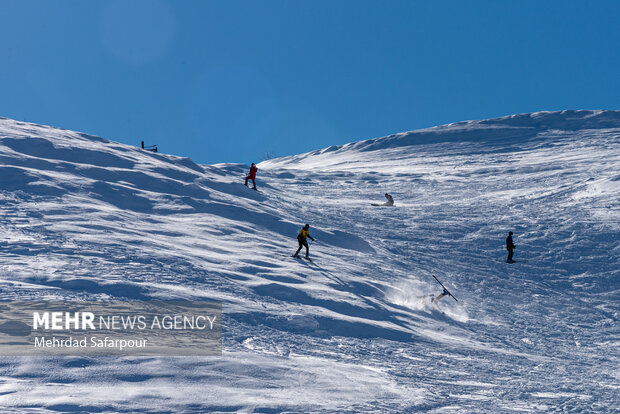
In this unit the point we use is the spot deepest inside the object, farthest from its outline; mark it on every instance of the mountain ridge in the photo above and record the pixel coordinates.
(517, 128)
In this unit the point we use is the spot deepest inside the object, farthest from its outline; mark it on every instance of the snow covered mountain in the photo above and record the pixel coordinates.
(354, 330)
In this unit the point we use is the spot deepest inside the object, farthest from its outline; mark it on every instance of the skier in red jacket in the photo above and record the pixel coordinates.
(251, 176)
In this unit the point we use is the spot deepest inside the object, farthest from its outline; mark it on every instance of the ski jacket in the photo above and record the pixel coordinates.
(304, 234)
(253, 170)
(509, 244)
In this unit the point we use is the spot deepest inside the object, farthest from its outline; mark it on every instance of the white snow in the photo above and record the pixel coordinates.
(85, 218)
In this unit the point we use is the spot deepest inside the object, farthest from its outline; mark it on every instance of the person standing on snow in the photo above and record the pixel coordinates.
(510, 246)
(251, 176)
(302, 237)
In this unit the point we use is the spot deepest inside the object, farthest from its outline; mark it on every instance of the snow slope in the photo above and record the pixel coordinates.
(87, 218)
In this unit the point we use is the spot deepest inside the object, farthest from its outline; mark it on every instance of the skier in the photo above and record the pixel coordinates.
(441, 295)
(302, 237)
(388, 203)
(251, 176)
(510, 246)
(390, 200)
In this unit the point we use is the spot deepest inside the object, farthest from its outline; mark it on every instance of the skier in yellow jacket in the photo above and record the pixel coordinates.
(302, 237)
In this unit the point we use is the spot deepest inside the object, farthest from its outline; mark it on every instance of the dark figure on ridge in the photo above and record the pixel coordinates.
(510, 246)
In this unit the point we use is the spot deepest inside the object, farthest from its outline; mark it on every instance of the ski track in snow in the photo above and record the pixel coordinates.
(355, 330)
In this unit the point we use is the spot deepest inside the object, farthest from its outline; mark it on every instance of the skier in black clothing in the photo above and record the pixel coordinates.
(510, 247)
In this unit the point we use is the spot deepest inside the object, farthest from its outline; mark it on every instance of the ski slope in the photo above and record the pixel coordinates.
(85, 218)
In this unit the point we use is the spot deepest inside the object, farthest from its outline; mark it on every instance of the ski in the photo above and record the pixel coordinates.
(251, 188)
(444, 288)
(296, 256)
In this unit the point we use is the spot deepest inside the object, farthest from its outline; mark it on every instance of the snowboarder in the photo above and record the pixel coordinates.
(510, 246)
(302, 237)
(251, 176)
(388, 203)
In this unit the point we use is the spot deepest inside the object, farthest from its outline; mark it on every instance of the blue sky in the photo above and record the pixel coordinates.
(232, 81)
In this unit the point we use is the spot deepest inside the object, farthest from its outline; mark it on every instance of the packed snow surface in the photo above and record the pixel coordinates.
(354, 330)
